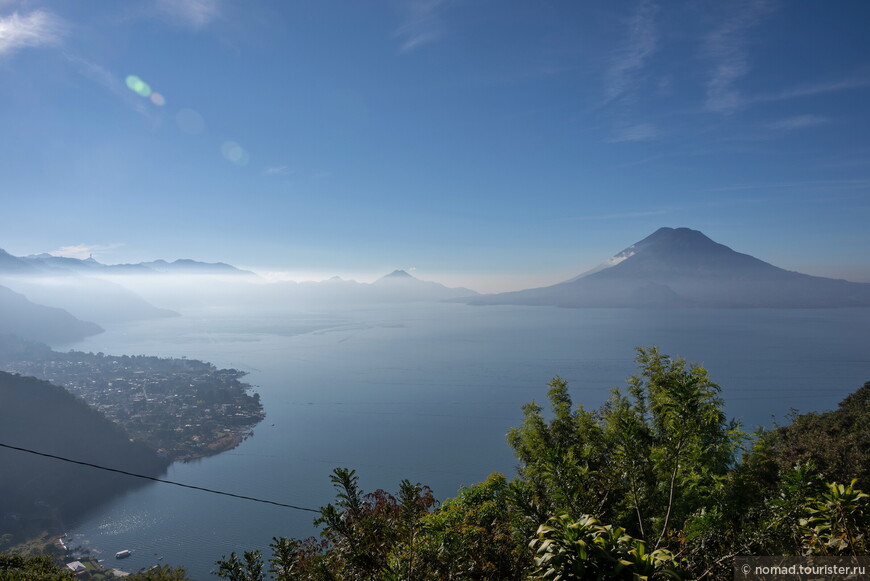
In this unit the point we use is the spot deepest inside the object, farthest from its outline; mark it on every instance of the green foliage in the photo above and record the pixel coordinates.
(684, 446)
(836, 442)
(249, 568)
(584, 549)
(364, 536)
(564, 462)
(837, 522)
(479, 534)
(647, 460)
(299, 560)
(38, 568)
(363, 529)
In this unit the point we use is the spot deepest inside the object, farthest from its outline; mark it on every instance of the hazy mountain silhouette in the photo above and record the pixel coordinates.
(188, 266)
(399, 285)
(15, 265)
(86, 297)
(396, 287)
(19, 316)
(79, 287)
(680, 267)
(49, 264)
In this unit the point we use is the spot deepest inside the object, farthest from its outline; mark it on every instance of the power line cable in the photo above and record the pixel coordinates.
(152, 478)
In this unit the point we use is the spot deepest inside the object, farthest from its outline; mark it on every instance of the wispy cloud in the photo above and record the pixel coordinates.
(622, 215)
(798, 122)
(194, 14)
(638, 132)
(819, 88)
(277, 170)
(726, 46)
(856, 184)
(421, 23)
(634, 54)
(83, 251)
(39, 28)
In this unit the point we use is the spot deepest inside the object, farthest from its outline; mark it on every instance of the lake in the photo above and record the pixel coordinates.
(427, 393)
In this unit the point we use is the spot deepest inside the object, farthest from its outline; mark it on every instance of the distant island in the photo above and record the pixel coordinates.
(181, 408)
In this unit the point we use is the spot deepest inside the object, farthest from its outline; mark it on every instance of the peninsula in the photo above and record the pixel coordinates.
(182, 408)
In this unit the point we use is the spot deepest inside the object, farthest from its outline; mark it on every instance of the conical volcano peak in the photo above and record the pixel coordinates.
(398, 274)
(669, 252)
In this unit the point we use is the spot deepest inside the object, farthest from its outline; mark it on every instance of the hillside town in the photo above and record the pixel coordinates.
(183, 408)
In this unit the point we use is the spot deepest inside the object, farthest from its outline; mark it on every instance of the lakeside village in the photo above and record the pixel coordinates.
(182, 408)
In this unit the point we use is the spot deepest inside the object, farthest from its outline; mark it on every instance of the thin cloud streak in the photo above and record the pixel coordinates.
(623, 215)
(726, 47)
(639, 132)
(37, 29)
(277, 170)
(855, 82)
(798, 122)
(829, 184)
(422, 24)
(194, 14)
(633, 56)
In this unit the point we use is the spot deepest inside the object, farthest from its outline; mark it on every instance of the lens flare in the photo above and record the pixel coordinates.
(158, 99)
(235, 153)
(138, 86)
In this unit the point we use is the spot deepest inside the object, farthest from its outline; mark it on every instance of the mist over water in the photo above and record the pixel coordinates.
(427, 392)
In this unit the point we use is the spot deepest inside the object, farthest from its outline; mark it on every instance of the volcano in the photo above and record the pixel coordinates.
(681, 267)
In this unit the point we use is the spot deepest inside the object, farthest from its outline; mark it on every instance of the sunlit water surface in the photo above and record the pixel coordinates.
(427, 393)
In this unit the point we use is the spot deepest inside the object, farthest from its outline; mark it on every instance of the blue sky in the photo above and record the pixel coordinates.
(495, 144)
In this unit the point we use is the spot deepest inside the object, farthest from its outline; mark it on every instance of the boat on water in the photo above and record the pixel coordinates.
(123, 554)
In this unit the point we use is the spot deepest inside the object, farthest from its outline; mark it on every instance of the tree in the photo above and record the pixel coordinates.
(37, 568)
(478, 534)
(647, 460)
(564, 463)
(249, 568)
(837, 442)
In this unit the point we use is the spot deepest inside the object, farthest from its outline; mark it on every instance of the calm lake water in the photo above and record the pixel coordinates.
(427, 393)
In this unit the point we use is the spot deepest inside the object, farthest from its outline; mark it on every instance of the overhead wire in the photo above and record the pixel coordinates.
(161, 480)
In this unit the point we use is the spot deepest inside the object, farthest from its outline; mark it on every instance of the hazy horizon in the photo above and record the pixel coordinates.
(483, 283)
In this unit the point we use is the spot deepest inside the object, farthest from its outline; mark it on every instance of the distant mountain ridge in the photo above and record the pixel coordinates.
(19, 316)
(399, 283)
(681, 267)
(49, 264)
(76, 286)
(396, 287)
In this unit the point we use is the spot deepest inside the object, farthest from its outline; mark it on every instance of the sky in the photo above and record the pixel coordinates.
(493, 144)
